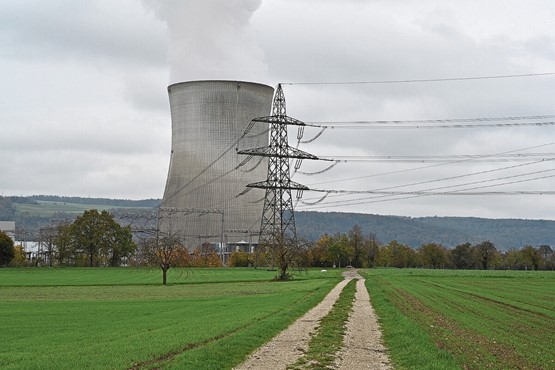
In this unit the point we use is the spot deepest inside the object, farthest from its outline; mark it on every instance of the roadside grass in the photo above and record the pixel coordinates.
(328, 339)
(477, 319)
(208, 322)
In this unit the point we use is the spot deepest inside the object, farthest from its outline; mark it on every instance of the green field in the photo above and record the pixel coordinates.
(466, 319)
(68, 318)
(44, 208)
(121, 318)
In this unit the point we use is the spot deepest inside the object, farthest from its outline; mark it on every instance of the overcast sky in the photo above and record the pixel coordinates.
(84, 108)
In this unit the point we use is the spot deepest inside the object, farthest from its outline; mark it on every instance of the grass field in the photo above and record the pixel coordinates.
(441, 319)
(44, 208)
(123, 318)
(68, 318)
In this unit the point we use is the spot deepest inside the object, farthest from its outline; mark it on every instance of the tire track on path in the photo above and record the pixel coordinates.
(289, 345)
(362, 344)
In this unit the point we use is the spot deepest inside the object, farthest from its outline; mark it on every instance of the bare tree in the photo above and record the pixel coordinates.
(47, 240)
(164, 251)
(285, 254)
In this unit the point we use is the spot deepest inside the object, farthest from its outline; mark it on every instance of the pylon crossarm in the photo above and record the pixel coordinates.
(286, 185)
(286, 152)
(279, 120)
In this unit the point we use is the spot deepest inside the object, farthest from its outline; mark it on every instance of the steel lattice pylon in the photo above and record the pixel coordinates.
(278, 219)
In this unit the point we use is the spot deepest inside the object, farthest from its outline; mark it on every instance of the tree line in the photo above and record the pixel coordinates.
(92, 239)
(358, 250)
(96, 239)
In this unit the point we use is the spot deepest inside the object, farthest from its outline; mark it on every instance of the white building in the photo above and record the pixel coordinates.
(8, 227)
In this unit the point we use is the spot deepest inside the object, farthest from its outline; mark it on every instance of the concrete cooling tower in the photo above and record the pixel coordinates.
(201, 202)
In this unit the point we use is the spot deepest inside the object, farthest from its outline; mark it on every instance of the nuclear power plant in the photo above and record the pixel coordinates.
(202, 201)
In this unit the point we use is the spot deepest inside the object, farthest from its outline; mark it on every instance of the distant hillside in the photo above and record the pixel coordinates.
(449, 231)
(38, 210)
(125, 203)
(35, 211)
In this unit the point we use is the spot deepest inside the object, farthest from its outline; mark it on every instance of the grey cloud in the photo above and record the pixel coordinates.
(90, 31)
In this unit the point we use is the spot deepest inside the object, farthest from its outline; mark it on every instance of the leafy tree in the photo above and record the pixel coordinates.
(512, 259)
(530, 257)
(20, 257)
(319, 252)
(487, 253)
(371, 247)
(119, 244)
(239, 259)
(338, 250)
(94, 232)
(356, 245)
(7, 252)
(432, 255)
(396, 254)
(63, 243)
(462, 256)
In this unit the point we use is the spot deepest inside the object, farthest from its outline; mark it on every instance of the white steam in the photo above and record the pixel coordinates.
(211, 39)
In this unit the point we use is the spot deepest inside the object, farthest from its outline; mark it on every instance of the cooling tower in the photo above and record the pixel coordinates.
(206, 175)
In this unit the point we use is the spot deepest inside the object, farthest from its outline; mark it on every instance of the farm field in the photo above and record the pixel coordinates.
(123, 318)
(44, 208)
(437, 319)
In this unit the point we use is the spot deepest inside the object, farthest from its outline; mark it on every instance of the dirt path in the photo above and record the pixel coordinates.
(290, 344)
(363, 348)
(362, 344)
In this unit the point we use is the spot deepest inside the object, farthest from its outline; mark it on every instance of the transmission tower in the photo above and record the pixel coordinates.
(278, 219)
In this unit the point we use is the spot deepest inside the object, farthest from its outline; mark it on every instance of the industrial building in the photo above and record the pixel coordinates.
(202, 201)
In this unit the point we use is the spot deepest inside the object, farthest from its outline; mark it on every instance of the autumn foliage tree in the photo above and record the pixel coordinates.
(205, 256)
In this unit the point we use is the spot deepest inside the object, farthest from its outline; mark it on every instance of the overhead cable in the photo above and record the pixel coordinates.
(444, 120)
(467, 78)
(452, 177)
(428, 192)
(432, 166)
(435, 126)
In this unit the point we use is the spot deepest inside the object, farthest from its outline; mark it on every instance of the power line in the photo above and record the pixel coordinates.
(430, 166)
(435, 126)
(428, 192)
(381, 191)
(476, 158)
(442, 120)
(468, 78)
(451, 177)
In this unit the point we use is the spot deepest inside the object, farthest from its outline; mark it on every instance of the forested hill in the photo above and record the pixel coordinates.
(38, 210)
(449, 231)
